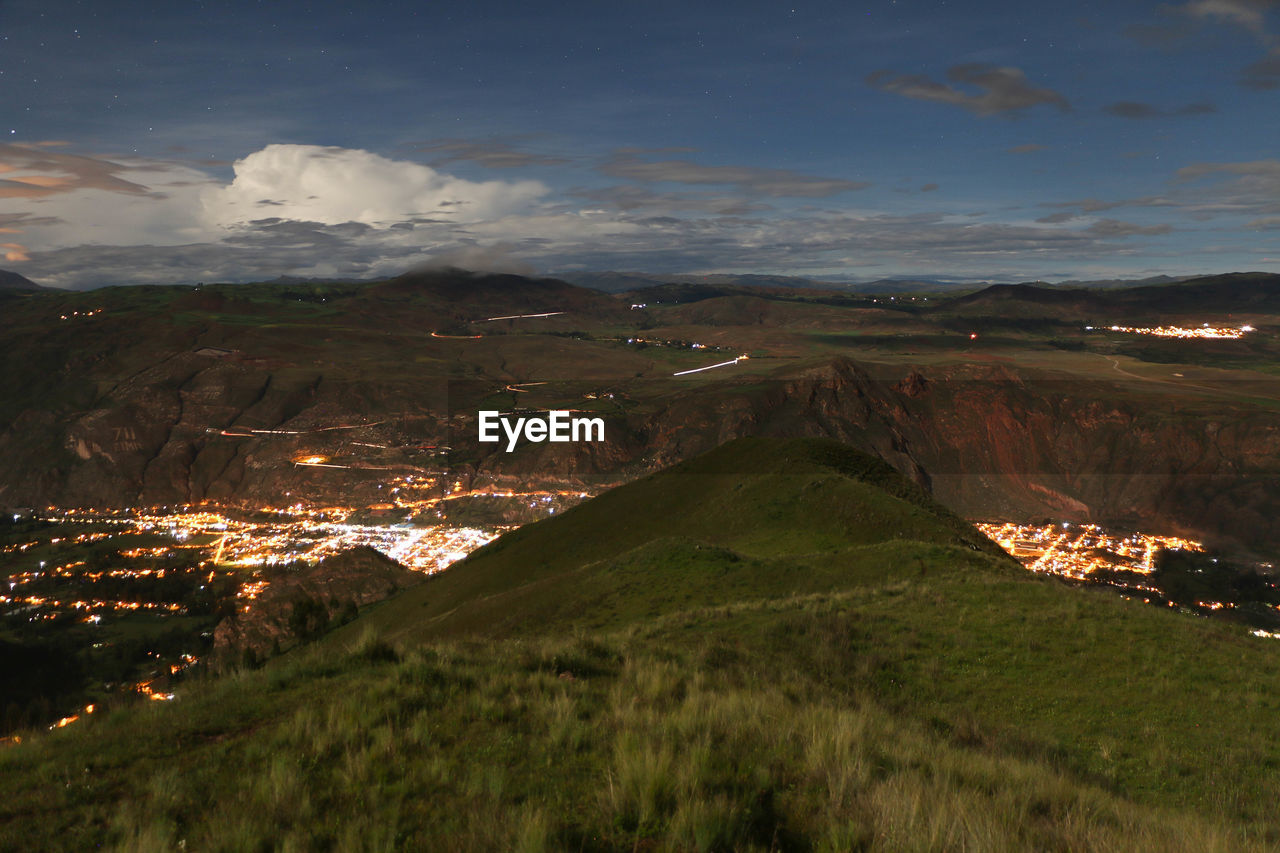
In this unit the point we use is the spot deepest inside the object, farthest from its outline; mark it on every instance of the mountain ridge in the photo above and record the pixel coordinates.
(12, 281)
(825, 494)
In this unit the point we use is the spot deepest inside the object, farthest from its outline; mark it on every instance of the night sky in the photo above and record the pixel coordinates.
(184, 141)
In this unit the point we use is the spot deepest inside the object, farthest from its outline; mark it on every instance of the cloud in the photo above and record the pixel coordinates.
(1029, 148)
(665, 149)
(630, 197)
(285, 208)
(16, 223)
(1250, 187)
(1181, 22)
(928, 188)
(15, 252)
(773, 182)
(159, 203)
(541, 240)
(323, 255)
(495, 155)
(1202, 190)
(1263, 175)
(274, 232)
(497, 257)
(1113, 228)
(32, 172)
(1249, 14)
(334, 212)
(1138, 110)
(1003, 89)
(336, 185)
(826, 241)
(1095, 205)
(1263, 74)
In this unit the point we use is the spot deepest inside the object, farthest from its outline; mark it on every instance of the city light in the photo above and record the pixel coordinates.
(411, 528)
(1205, 332)
(1075, 551)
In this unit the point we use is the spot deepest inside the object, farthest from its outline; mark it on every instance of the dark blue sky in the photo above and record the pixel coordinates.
(232, 141)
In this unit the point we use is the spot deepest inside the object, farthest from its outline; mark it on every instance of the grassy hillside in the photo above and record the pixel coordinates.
(756, 517)
(780, 645)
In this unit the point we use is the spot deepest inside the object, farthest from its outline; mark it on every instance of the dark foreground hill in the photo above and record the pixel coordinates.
(778, 646)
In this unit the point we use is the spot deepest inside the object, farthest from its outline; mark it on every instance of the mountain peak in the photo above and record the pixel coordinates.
(14, 281)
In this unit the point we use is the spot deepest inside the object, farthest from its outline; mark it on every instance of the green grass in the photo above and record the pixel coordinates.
(755, 499)
(683, 734)
(781, 645)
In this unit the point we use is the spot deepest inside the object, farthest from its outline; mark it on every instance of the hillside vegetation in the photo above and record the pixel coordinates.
(779, 645)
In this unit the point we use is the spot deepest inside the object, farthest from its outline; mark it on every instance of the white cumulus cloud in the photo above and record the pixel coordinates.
(314, 183)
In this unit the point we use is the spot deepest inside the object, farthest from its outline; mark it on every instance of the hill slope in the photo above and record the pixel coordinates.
(12, 281)
(742, 510)
(1198, 296)
(803, 653)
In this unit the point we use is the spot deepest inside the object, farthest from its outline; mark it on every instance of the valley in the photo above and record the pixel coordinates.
(223, 484)
(1012, 402)
(639, 428)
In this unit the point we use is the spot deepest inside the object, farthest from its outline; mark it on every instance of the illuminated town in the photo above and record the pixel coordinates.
(1088, 552)
(1076, 550)
(159, 562)
(1204, 332)
(88, 569)
(412, 531)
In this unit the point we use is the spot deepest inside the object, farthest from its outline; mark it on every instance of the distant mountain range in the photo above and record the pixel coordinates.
(1108, 283)
(609, 281)
(1237, 291)
(619, 282)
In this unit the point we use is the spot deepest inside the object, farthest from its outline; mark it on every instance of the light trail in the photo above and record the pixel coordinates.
(252, 432)
(520, 386)
(457, 337)
(521, 316)
(309, 431)
(305, 464)
(709, 367)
